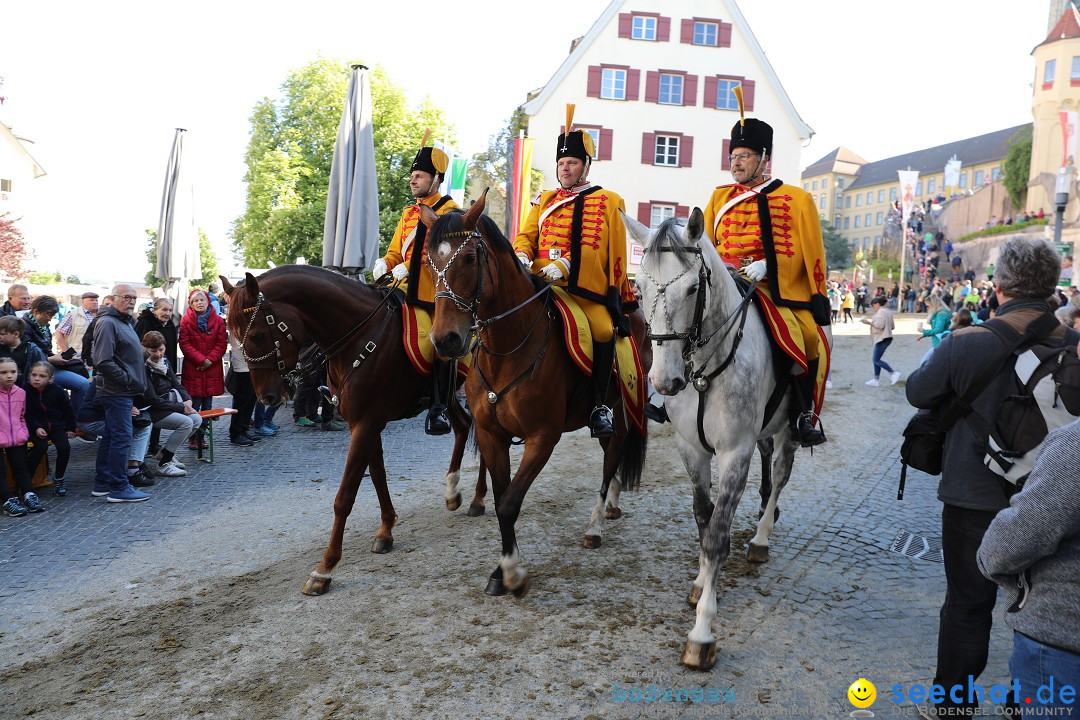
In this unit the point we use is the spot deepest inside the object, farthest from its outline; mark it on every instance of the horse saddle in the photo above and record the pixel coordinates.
(418, 345)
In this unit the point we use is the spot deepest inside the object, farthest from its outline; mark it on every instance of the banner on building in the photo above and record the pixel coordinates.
(1068, 137)
(952, 172)
(908, 179)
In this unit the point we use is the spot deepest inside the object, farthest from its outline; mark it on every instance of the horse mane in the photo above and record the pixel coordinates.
(667, 237)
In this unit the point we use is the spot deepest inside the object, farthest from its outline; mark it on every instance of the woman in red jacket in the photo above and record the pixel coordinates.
(203, 342)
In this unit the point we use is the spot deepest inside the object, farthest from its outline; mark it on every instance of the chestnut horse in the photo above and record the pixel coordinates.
(359, 328)
(523, 383)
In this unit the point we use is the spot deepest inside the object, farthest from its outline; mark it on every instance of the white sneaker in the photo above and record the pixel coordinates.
(895, 378)
(170, 469)
(873, 382)
(828, 384)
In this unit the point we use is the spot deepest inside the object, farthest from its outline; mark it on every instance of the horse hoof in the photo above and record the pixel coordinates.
(495, 587)
(613, 513)
(382, 545)
(521, 589)
(757, 553)
(591, 541)
(475, 510)
(694, 596)
(699, 656)
(316, 585)
(454, 503)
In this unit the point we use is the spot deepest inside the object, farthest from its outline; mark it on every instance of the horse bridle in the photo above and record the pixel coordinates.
(253, 363)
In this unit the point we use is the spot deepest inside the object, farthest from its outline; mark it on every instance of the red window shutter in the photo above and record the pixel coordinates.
(633, 82)
(725, 162)
(689, 93)
(644, 213)
(686, 151)
(682, 211)
(595, 74)
(710, 92)
(687, 35)
(626, 21)
(748, 94)
(723, 37)
(663, 29)
(605, 145)
(648, 148)
(652, 87)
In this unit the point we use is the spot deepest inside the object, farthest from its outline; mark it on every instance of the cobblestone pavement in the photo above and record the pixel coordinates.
(834, 603)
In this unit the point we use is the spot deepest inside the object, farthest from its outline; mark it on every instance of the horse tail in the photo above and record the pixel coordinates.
(632, 463)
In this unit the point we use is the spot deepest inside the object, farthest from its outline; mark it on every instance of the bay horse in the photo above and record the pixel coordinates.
(524, 382)
(359, 329)
(689, 296)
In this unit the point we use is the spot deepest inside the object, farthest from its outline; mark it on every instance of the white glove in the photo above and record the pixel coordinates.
(553, 272)
(755, 270)
(379, 269)
(524, 259)
(400, 272)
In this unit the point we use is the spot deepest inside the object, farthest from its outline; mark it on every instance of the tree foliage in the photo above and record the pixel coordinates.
(1017, 167)
(43, 277)
(291, 151)
(14, 253)
(837, 250)
(492, 167)
(207, 258)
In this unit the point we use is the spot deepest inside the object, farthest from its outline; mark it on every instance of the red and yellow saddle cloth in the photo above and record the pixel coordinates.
(418, 345)
(627, 359)
(788, 335)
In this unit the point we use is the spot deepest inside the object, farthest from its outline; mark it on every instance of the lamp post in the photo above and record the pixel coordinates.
(1061, 199)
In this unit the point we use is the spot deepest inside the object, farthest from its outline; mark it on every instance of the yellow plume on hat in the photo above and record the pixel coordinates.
(439, 160)
(586, 138)
(738, 96)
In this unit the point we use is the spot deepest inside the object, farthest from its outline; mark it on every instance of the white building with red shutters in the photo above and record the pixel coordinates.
(652, 82)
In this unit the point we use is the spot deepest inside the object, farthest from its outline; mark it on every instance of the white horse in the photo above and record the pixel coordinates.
(704, 335)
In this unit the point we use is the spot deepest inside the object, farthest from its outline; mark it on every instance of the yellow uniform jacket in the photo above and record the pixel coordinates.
(582, 230)
(779, 225)
(409, 234)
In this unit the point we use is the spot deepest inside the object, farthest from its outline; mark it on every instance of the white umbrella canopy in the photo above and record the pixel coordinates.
(351, 230)
(178, 260)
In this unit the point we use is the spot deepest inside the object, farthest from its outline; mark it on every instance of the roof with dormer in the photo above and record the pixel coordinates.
(840, 160)
(1067, 27)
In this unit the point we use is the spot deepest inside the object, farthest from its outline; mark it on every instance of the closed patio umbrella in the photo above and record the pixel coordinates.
(351, 230)
(178, 260)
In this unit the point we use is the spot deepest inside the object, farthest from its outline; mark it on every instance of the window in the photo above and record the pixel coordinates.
(1048, 73)
(880, 196)
(879, 218)
(858, 221)
(978, 177)
(963, 179)
(660, 213)
(643, 28)
(806, 186)
(594, 133)
(705, 33)
(1074, 73)
(847, 223)
(847, 200)
(836, 221)
(821, 202)
(725, 98)
(866, 220)
(858, 201)
(815, 185)
(931, 185)
(839, 199)
(667, 150)
(869, 197)
(5, 186)
(995, 174)
(613, 84)
(892, 194)
(671, 89)
(918, 189)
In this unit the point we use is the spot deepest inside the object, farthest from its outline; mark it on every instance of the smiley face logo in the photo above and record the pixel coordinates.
(862, 693)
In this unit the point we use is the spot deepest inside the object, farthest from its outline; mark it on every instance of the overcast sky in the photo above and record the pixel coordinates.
(100, 87)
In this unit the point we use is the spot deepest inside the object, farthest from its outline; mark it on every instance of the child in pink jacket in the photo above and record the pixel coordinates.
(13, 437)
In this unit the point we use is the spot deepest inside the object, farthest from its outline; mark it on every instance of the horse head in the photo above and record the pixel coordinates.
(268, 337)
(676, 279)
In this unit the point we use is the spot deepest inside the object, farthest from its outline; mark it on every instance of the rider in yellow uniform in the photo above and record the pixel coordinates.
(771, 231)
(428, 171)
(575, 237)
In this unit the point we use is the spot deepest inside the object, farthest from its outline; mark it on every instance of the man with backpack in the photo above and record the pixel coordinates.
(977, 364)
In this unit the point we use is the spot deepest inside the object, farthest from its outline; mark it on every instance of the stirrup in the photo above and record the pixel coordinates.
(600, 424)
(438, 422)
(809, 435)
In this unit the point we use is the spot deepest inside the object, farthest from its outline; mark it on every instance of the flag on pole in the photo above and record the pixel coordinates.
(459, 171)
(1068, 137)
(515, 178)
(908, 179)
(526, 180)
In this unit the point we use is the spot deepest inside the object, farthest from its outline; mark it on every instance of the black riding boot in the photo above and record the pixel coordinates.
(805, 421)
(438, 421)
(600, 421)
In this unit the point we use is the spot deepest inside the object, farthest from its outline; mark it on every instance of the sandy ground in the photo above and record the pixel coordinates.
(209, 621)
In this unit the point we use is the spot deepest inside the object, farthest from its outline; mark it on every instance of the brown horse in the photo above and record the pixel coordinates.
(359, 328)
(523, 382)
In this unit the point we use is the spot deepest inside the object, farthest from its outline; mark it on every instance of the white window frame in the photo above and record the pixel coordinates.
(931, 186)
(979, 177)
(1074, 71)
(880, 217)
(673, 80)
(725, 99)
(821, 202)
(660, 213)
(613, 84)
(666, 151)
(643, 27)
(858, 200)
(1049, 70)
(858, 221)
(963, 180)
(995, 173)
(881, 195)
(703, 30)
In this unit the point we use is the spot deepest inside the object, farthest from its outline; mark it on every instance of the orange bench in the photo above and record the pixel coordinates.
(212, 415)
(40, 478)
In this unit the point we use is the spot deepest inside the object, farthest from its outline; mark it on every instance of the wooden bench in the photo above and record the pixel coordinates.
(40, 478)
(212, 415)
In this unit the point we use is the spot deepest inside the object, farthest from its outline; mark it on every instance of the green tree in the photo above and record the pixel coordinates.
(1017, 166)
(837, 250)
(491, 169)
(43, 277)
(73, 279)
(291, 151)
(207, 258)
